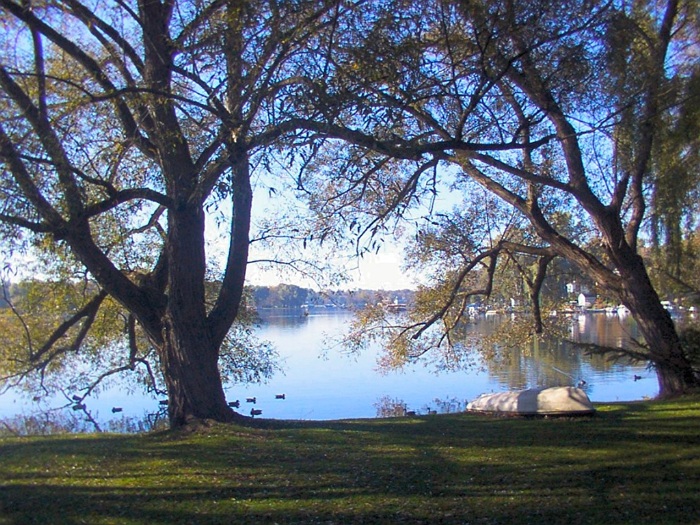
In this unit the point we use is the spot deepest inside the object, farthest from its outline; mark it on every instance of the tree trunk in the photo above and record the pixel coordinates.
(189, 355)
(673, 369)
(195, 391)
(535, 287)
(632, 284)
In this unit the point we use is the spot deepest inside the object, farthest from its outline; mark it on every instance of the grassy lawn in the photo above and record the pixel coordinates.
(631, 463)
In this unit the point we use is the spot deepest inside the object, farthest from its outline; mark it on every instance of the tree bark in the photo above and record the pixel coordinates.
(674, 371)
(189, 356)
(632, 285)
(191, 372)
(535, 289)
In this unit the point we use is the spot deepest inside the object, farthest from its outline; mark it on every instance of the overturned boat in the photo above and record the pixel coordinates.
(560, 401)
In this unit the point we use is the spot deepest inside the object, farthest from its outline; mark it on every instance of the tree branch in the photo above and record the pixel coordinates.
(93, 23)
(18, 315)
(49, 140)
(29, 188)
(492, 256)
(87, 312)
(91, 66)
(122, 196)
(648, 124)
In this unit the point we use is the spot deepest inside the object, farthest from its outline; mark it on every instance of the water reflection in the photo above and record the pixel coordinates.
(323, 383)
(61, 421)
(560, 363)
(328, 385)
(547, 362)
(389, 407)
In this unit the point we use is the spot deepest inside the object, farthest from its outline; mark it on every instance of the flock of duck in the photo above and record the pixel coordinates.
(164, 402)
(253, 411)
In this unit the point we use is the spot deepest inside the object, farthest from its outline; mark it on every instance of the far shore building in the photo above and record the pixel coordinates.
(586, 300)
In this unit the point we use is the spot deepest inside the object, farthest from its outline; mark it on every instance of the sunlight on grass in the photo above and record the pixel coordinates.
(631, 463)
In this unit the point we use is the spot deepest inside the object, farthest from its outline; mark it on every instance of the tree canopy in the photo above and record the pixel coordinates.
(124, 126)
(555, 110)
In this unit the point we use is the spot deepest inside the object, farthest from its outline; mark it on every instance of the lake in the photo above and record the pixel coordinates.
(318, 383)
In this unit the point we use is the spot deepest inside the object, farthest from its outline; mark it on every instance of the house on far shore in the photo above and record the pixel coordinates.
(586, 300)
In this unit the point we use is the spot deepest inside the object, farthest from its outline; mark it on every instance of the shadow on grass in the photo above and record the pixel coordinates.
(628, 464)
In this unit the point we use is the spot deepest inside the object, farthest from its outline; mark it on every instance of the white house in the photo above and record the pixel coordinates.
(586, 300)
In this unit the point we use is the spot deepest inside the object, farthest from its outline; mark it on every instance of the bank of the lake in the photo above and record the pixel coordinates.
(629, 464)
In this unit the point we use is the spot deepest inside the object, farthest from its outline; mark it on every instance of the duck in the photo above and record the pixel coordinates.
(255, 412)
(251, 400)
(581, 383)
(636, 377)
(280, 396)
(234, 404)
(116, 409)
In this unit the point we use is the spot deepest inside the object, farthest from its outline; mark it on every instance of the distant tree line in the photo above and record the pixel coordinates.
(292, 296)
(279, 296)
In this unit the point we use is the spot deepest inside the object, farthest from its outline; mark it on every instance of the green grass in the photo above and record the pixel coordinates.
(631, 463)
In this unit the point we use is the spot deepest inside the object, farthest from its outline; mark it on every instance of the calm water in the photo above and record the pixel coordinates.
(334, 385)
(319, 383)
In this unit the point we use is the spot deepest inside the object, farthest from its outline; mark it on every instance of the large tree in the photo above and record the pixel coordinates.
(550, 107)
(123, 125)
